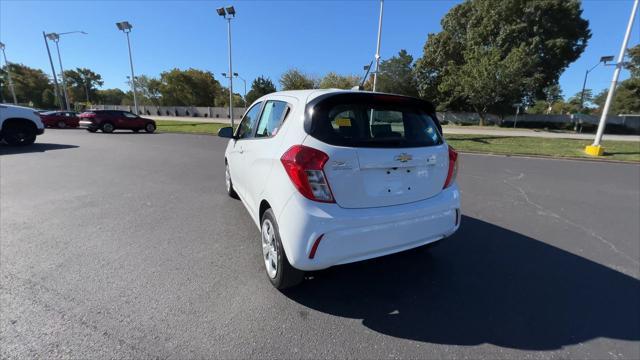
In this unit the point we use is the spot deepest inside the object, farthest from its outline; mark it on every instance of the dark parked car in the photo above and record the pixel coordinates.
(60, 119)
(110, 120)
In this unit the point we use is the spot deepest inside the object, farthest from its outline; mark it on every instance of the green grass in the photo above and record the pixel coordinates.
(513, 145)
(191, 127)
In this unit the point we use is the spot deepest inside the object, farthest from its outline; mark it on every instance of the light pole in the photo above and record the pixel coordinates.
(245, 89)
(6, 65)
(595, 149)
(55, 37)
(375, 74)
(53, 70)
(126, 27)
(229, 13)
(604, 60)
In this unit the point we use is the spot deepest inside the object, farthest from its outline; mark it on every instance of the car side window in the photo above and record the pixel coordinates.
(245, 129)
(272, 117)
(129, 115)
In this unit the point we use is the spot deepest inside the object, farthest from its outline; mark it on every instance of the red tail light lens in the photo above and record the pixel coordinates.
(87, 115)
(304, 166)
(453, 168)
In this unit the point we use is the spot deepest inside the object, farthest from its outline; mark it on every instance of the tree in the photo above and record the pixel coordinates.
(261, 86)
(190, 87)
(148, 90)
(334, 81)
(294, 79)
(626, 99)
(397, 75)
(82, 84)
(110, 96)
(29, 84)
(492, 54)
(223, 99)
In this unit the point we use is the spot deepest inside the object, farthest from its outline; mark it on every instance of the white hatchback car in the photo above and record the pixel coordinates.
(332, 177)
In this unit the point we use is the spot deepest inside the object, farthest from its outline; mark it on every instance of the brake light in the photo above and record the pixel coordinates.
(304, 166)
(88, 115)
(453, 168)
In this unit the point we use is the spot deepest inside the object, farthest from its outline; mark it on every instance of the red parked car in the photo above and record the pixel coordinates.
(110, 120)
(60, 119)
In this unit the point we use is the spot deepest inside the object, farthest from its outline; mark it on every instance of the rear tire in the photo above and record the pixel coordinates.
(108, 128)
(19, 134)
(150, 128)
(279, 271)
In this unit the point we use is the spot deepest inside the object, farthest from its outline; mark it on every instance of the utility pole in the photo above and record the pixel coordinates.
(375, 74)
(229, 13)
(596, 149)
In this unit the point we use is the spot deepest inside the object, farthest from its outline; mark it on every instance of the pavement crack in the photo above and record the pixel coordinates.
(546, 212)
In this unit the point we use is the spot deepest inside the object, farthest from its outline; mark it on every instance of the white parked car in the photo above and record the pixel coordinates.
(332, 177)
(19, 125)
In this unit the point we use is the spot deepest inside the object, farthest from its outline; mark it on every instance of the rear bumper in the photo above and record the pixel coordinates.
(350, 235)
(85, 124)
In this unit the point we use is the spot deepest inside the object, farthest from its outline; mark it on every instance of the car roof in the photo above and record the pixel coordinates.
(307, 96)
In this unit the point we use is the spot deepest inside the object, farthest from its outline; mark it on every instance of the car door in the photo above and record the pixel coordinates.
(235, 157)
(259, 151)
(131, 121)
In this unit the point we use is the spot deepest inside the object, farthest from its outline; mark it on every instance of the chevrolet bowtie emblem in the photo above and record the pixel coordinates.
(404, 157)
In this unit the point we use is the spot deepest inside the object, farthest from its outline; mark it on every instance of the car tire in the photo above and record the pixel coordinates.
(61, 125)
(228, 183)
(150, 127)
(279, 271)
(108, 128)
(92, 130)
(20, 134)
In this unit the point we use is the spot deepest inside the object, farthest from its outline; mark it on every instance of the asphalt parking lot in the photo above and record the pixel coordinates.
(126, 246)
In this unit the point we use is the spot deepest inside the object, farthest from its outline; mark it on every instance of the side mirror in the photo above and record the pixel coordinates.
(226, 132)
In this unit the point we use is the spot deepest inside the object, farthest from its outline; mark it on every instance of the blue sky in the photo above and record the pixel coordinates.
(268, 36)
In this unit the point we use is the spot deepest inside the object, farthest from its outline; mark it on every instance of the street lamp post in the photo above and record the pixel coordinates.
(604, 60)
(245, 89)
(375, 74)
(53, 70)
(6, 65)
(55, 37)
(126, 27)
(595, 149)
(229, 13)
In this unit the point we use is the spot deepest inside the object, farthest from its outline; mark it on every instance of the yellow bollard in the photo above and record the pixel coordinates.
(594, 150)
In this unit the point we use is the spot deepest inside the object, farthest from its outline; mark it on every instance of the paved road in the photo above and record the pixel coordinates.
(126, 246)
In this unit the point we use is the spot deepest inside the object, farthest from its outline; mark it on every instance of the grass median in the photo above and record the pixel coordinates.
(505, 145)
(190, 127)
(517, 145)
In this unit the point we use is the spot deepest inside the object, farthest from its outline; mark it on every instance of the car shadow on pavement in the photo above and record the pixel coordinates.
(486, 284)
(33, 148)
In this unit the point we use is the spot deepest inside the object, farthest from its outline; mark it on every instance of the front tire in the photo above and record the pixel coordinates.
(228, 183)
(279, 271)
(150, 128)
(19, 134)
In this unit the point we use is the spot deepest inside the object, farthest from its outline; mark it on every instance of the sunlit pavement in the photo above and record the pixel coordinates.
(126, 246)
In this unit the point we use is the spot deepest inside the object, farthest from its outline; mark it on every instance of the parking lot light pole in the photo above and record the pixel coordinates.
(6, 65)
(55, 37)
(229, 13)
(596, 149)
(126, 27)
(53, 70)
(604, 60)
(375, 74)
(245, 89)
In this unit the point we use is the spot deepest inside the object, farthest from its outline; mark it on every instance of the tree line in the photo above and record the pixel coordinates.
(489, 58)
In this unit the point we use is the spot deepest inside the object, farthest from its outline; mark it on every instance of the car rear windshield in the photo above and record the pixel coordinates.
(374, 120)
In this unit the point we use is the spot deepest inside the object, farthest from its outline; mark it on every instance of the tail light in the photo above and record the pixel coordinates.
(88, 115)
(304, 167)
(453, 168)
